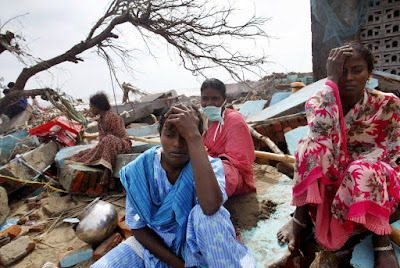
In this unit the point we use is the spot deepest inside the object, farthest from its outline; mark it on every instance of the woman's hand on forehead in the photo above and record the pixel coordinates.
(335, 62)
(184, 119)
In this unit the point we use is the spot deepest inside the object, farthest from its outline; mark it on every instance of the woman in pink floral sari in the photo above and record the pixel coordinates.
(346, 177)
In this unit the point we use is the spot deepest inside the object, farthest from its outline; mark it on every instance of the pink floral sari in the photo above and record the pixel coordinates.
(345, 167)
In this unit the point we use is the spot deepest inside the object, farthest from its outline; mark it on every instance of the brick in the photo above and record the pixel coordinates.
(294, 123)
(284, 124)
(37, 228)
(286, 130)
(76, 184)
(111, 242)
(11, 231)
(92, 183)
(76, 256)
(85, 183)
(277, 127)
(99, 189)
(16, 250)
(32, 204)
(48, 211)
(125, 230)
(303, 121)
(280, 137)
(261, 130)
(36, 215)
(269, 132)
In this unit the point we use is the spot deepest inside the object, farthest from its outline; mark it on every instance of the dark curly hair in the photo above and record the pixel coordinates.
(215, 84)
(100, 101)
(166, 109)
(365, 53)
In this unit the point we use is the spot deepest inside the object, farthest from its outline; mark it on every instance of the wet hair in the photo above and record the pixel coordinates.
(215, 84)
(100, 101)
(10, 85)
(365, 53)
(166, 109)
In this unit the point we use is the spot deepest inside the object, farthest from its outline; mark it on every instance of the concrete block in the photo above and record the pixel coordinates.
(122, 160)
(76, 256)
(111, 242)
(16, 250)
(4, 208)
(71, 176)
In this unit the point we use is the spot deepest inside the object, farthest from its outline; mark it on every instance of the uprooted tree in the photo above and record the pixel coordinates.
(195, 29)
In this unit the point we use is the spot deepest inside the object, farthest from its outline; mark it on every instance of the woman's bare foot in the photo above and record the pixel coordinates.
(384, 257)
(290, 233)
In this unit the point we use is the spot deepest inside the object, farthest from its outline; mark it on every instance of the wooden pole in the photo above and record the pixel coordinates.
(271, 156)
(272, 146)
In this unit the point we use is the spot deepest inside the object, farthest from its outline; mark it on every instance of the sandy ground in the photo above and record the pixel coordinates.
(246, 212)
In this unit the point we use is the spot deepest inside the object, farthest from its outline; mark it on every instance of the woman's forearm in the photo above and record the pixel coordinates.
(153, 242)
(207, 187)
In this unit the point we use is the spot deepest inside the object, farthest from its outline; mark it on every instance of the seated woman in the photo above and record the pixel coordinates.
(113, 139)
(173, 205)
(346, 177)
(228, 138)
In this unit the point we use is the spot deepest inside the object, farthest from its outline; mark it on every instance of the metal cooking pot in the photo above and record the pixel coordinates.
(97, 221)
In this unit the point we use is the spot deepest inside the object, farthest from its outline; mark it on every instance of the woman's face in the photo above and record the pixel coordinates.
(354, 77)
(93, 109)
(211, 97)
(175, 151)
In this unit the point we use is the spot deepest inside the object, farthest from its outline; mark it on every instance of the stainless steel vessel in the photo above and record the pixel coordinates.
(97, 221)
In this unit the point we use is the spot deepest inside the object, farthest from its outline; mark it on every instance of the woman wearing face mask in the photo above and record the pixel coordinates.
(228, 138)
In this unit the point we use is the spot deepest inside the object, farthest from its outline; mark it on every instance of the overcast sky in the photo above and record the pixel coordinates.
(51, 27)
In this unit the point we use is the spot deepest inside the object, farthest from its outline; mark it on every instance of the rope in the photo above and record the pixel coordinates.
(46, 184)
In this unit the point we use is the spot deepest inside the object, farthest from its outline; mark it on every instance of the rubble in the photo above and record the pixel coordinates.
(4, 208)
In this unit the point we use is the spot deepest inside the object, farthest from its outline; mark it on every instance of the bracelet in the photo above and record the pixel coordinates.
(387, 248)
(303, 225)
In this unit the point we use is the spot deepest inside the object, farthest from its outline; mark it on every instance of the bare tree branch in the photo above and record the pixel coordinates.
(199, 31)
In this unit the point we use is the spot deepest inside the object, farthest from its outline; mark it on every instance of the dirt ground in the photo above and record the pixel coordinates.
(245, 210)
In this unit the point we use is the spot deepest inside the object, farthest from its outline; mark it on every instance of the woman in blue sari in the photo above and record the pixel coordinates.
(174, 203)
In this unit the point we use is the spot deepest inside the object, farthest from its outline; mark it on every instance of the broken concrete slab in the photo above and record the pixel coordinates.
(4, 208)
(279, 96)
(122, 160)
(252, 107)
(142, 131)
(162, 95)
(16, 250)
(294, 136)
(38, 158)
(293, 104)
(17, 122)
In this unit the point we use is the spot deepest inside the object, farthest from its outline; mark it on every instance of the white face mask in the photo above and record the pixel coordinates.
(213, 113)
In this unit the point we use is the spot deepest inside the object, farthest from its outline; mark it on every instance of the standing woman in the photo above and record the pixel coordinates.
(228, 138)
(346, 176)
(113, 139)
